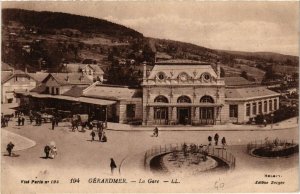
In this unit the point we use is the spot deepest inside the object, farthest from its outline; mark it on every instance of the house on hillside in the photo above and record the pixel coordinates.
(13, 82)
(58, 83)
(93, 71)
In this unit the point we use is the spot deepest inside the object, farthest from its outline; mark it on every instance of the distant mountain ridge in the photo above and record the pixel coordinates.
(57, 20)
(61, 37)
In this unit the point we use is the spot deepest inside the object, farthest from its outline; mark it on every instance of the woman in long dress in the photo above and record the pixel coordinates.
(53, 152)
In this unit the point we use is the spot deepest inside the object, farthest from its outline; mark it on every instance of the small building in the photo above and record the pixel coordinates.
(92, 71)
(126, 103)
(248, 102)
(59, 83)
(15, 81)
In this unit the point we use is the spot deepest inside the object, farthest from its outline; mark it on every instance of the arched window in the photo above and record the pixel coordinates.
(184, 99)
(161, 99)
(207, 99)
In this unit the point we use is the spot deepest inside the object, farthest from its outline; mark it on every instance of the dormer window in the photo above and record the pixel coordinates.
(206, 77)
(161, 76)
(183, 77)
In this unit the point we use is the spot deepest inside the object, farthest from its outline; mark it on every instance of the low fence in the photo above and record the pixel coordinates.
(217, 152)
(264, 143)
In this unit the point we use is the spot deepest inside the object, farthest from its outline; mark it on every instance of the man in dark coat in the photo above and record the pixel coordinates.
(47, 151)
(19, 120)
(216, 138)
(9, 148)
(209, 140)
(112, 165)
(223, 142)
(56, 121)
(53, 123)
(93, 135)
(100, 135)
(23, 120)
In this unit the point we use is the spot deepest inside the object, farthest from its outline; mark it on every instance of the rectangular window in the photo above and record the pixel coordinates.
(265, 106)
(47, 90)
(233, 111)
(16, 78)
(248, 110)
(57, 91)
(254, 108)
(259, 107)
(270, 105)
(275, 104)
(52, 90)
(130, 110)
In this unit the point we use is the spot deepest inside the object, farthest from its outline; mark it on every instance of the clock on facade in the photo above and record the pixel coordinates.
(183, 77)
(161, 76)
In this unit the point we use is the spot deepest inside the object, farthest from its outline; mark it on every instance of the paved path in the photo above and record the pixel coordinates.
(290, 123)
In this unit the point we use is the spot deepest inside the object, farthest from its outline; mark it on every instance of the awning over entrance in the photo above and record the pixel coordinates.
(20, 91)
(184, 105)
(80, 99)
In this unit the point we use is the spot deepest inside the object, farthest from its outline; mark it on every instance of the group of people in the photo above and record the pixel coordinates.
(4, 121)
(50, 151)
(216, 139)
(101, 133)
(21, 120)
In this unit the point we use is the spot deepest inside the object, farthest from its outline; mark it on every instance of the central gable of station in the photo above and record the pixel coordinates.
(174, 71)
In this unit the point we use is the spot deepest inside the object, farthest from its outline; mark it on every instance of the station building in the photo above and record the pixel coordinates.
(173, 92)
(193, 93)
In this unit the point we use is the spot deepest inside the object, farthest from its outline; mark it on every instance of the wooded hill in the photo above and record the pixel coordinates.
(45, 40)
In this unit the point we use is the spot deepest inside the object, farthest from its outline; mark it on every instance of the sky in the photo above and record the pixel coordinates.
(238, 26)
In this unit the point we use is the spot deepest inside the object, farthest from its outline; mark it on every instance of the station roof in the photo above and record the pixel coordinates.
(237, 81)
(112, 92)
(248, 93)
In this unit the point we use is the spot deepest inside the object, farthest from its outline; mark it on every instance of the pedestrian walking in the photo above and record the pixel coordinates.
(19, 120)
(112, 165)
(265, 122)
(155, 132)
(9, 148)
(100, 135)
(209, 140)
(31, 118)
(53, 151)
(23, 120)
(47, 151)
(216, 138)
(53, 123)
(6, 120)
(223, 142)
(104, 138)
(56, 121)
(93, 135)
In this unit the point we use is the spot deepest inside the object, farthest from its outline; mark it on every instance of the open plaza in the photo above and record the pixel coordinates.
(79, 157)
